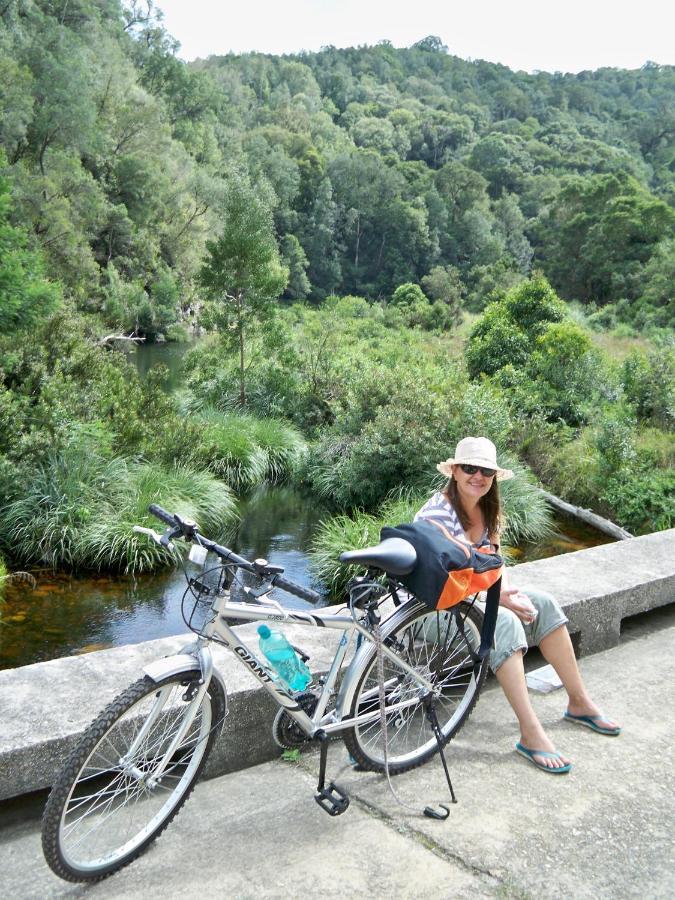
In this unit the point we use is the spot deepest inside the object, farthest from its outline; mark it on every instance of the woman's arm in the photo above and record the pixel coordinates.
(511, 598)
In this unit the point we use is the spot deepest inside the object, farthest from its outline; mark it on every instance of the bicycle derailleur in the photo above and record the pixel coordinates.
(286, 732)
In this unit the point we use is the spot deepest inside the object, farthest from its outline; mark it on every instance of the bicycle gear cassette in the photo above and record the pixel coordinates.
(286, 732)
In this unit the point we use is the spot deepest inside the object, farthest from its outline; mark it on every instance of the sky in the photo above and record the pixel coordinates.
(562, 36)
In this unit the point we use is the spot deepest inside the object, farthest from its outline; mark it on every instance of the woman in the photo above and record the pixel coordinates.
(469, 507)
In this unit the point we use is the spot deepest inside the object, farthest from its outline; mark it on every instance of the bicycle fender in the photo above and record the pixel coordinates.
(171, 665)
(174, 665)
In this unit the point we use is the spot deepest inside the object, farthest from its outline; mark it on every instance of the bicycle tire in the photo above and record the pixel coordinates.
(94, 794)
(432, 643)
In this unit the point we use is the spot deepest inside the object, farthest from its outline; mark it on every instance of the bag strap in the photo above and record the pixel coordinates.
(490, 618)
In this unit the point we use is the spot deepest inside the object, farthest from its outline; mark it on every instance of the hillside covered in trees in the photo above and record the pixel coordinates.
(246, 195)
(382, 166)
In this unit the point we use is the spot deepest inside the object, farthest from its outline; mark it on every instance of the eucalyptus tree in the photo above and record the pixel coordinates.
(242, 273)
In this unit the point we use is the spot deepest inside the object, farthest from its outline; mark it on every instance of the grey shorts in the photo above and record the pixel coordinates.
(512, 635)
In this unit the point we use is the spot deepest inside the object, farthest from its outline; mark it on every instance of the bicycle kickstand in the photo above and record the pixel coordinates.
(332, 798)
(430, 710)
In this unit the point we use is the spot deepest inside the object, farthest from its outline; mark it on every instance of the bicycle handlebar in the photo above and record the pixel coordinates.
(296, 589)
(188, 530)
(162, 514)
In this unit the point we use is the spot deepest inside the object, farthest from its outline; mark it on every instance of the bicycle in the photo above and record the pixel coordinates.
(137, 763)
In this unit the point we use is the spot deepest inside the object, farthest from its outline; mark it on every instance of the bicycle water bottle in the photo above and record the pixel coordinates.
(284, 659)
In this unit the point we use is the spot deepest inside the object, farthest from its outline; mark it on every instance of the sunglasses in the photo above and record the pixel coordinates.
(471, 470)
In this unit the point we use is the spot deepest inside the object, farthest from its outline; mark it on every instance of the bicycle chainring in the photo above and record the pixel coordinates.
(286, 732)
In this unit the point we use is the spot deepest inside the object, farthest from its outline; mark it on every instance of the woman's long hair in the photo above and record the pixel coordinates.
(489, 503)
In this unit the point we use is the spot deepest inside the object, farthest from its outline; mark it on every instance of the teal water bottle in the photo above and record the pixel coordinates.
(284, 659)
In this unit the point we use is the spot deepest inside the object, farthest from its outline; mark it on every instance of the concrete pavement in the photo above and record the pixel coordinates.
(603, 831)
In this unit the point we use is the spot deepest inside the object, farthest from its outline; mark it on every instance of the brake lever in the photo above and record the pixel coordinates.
(162, 539)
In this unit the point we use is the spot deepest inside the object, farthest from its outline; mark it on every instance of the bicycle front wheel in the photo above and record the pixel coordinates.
(106, 808)
(438, 644)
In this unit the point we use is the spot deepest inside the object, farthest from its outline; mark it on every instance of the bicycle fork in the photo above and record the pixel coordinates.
(153, 778)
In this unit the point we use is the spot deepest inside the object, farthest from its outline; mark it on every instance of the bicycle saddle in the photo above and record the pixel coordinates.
(394, 555)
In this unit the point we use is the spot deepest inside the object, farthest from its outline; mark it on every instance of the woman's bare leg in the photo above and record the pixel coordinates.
(511, 677)
(557, 649)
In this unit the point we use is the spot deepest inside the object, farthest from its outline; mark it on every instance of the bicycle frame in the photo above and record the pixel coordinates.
(333, 722)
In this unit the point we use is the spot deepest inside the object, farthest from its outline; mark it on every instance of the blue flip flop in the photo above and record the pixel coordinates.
(592, 723)
(530, 754)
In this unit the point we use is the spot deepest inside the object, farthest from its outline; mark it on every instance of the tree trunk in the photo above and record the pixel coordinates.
(358, 239)
(242, 386)
(590, 518)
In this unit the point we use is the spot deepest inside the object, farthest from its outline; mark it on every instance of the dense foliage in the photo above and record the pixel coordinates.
(341, 222)
(379, 166)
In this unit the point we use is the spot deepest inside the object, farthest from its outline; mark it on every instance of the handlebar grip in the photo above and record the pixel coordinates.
(162, 514)
(296, 589)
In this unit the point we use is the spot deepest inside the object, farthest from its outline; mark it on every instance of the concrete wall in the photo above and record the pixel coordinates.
(45, 707)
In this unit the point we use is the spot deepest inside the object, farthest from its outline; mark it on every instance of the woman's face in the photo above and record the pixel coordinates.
(471, 487)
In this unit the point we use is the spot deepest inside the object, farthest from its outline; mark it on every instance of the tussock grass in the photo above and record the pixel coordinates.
(245, 451)
(77, 510)
(527, 515)
(58, 500)
(109, 541)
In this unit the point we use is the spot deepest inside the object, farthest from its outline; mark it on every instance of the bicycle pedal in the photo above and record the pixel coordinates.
(333, 799)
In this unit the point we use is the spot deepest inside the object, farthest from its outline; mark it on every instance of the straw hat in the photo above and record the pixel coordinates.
(475, 451)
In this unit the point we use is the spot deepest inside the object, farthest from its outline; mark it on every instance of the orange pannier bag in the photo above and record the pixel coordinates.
(448, 569)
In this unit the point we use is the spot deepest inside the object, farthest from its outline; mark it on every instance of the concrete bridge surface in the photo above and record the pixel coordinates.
(603, 831)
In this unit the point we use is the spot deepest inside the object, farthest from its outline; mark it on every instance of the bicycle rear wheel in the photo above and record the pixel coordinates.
(104, 808)
(437, 644)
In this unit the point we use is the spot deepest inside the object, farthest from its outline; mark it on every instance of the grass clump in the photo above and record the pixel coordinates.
(239, 448)
(76, 510)
(109, 541)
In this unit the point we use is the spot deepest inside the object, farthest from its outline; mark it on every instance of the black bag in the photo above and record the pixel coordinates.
(449, 569)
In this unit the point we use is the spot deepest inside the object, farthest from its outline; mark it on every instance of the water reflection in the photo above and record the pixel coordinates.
(145, 356)
(67, 614)
(277, 523)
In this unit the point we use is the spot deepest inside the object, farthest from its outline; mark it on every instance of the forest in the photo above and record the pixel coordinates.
(380, 249)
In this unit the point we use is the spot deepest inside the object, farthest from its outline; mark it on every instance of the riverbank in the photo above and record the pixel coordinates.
(601, 832)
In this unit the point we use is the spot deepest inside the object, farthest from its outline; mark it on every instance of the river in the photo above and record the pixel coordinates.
(68, 614)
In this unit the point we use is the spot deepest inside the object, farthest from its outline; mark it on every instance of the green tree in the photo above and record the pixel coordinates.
(296, 262)
(25, 294)
(242, 271)
(600, 235)
(444, 284)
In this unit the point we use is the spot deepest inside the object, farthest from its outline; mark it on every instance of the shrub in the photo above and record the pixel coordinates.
(567, 372)
(642, 500)
(649, 385)
(408, 295)
(506, 332)
(178, 333)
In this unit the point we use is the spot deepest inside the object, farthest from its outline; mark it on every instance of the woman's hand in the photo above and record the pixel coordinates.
(519, 603)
